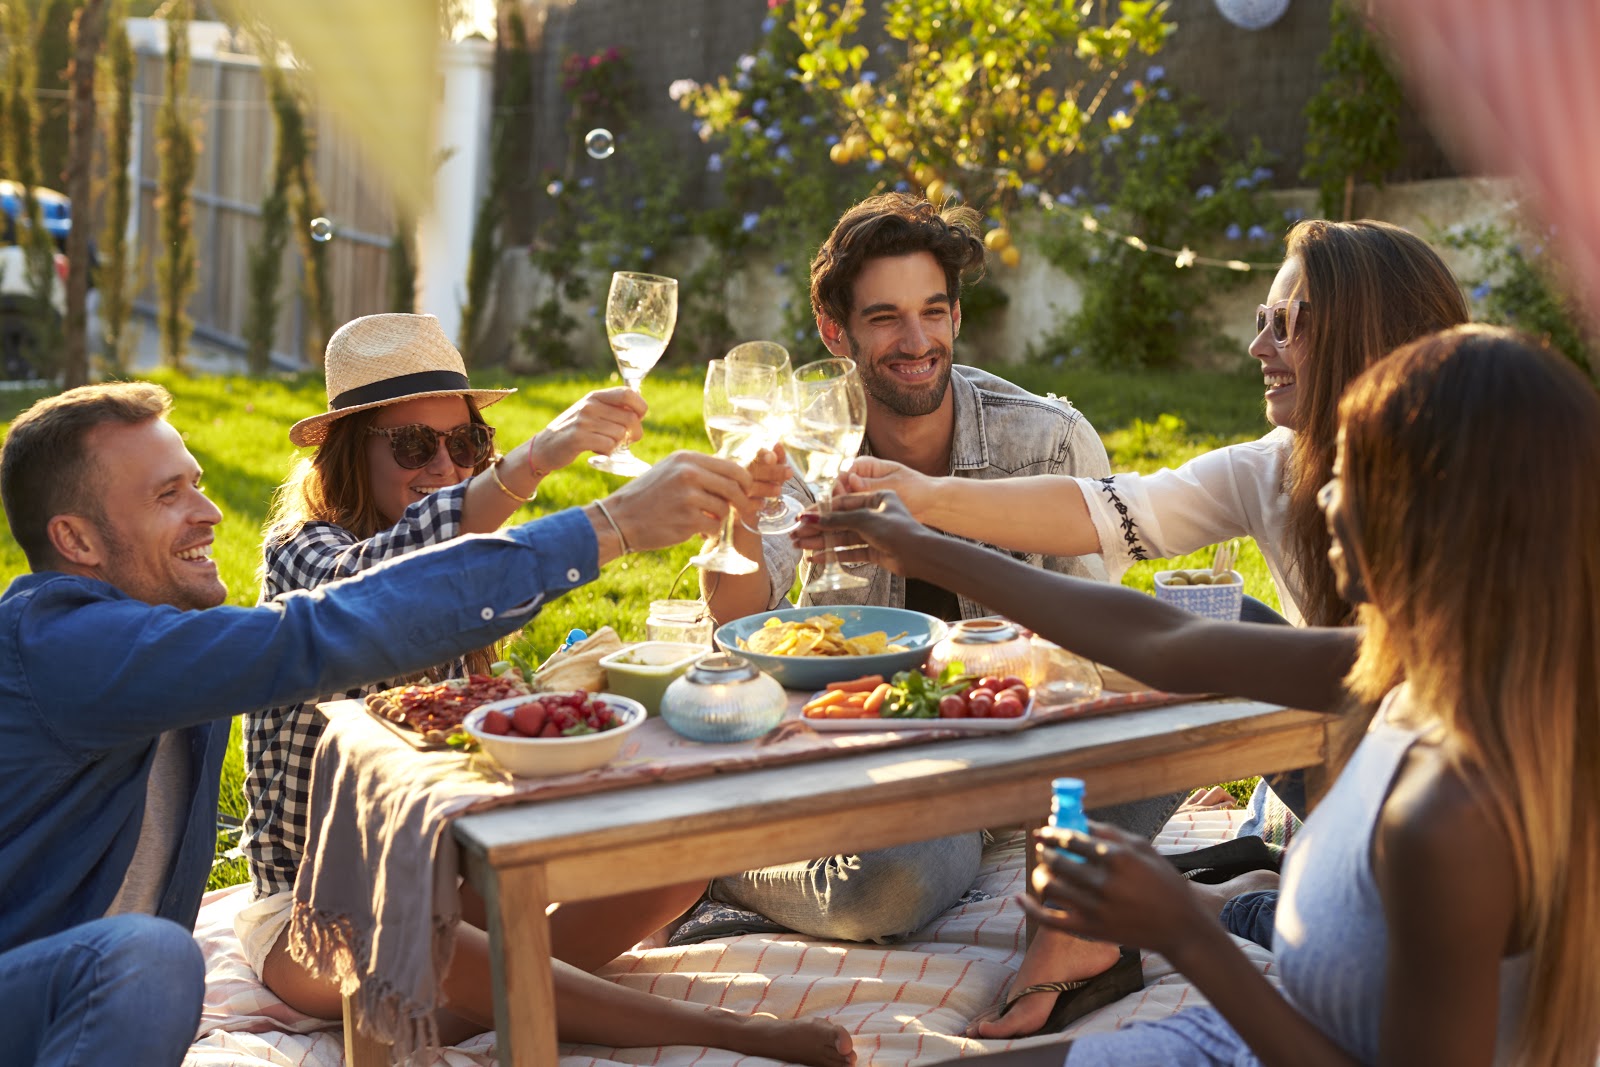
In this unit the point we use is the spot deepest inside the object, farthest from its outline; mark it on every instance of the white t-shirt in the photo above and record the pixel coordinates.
(1236, 491)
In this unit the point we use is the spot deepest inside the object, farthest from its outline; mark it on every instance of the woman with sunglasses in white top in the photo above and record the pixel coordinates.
(404, 460)
(1348, 293)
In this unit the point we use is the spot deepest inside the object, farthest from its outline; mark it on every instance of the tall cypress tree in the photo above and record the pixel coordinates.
(21, 159)
(87, 31)
(179, 150)
(116, 266)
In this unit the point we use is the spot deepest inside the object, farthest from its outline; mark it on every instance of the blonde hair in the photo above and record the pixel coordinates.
(1485, 441)
(1371, 287)
(334, 485)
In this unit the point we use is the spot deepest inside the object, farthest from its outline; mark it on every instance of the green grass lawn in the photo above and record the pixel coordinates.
(237, 429)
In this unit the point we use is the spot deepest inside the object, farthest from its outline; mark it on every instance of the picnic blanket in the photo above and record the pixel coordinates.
(384, 813)
(904, 1004)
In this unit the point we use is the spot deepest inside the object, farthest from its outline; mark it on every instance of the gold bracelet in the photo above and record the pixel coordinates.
(494, 472)
(622, 542)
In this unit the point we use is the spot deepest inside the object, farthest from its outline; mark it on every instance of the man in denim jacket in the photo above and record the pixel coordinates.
(119, 671)
(886, 289)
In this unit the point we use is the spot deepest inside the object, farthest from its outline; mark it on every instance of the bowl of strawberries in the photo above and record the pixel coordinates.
(554, 733)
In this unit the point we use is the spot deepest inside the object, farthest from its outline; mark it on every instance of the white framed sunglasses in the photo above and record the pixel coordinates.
(1281, 316)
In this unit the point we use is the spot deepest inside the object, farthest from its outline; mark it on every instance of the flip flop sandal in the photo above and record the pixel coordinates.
(1079, 998)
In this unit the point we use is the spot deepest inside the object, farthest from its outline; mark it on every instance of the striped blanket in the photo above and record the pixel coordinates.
(905, 1004)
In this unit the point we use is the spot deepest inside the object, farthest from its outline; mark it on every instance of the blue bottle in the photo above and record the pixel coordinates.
(1066, 809)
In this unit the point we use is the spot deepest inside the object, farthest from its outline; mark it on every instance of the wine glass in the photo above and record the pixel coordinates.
(830, 418)
(782, 513)
(641, 311)
(731, 396)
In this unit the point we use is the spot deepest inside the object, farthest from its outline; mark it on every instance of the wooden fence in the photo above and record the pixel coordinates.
(234, 120)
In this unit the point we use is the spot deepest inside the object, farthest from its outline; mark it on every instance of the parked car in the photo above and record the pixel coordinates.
(19, 314)
(54, 207)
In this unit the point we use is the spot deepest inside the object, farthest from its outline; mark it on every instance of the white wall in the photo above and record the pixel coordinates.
(444, 237)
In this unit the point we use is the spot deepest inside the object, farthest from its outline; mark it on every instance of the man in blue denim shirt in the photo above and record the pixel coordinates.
(116, 656)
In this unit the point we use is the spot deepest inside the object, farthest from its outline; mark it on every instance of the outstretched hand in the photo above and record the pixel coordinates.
(870, 474)
(598, 422)
(685, 494)
(768, 471)
(870, 528)
(1123, 891)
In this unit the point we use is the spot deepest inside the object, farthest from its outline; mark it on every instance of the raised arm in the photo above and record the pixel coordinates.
(1155, 642)
(1041, 513)
(598, 422)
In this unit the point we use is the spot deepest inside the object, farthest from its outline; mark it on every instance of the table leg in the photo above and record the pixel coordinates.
(362, 1050)
(519, 948)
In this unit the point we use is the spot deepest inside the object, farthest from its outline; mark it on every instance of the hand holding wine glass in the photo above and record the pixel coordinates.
(781, 513)
(736, 395)
(830, 419)
(641, 311)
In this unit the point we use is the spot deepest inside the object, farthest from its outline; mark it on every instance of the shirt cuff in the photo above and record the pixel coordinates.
(567, 550)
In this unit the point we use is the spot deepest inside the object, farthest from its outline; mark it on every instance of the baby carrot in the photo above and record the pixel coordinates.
(865, 684)
(875, 699)
(826, 700)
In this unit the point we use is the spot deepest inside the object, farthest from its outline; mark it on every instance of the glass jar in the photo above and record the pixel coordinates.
(723, 697)
(985, 647)
(686, 621)
(1062, 677)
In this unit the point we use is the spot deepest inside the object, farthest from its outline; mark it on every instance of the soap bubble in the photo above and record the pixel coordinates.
(599, 143)
(321, 230)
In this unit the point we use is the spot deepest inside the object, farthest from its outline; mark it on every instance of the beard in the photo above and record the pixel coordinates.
(907, 400)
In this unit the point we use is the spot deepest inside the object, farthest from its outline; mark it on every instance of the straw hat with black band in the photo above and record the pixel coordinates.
(383, 359)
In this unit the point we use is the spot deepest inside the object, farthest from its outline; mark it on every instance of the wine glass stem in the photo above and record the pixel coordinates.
(622, 450)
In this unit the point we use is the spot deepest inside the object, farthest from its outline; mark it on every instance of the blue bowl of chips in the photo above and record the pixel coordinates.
(802, 649)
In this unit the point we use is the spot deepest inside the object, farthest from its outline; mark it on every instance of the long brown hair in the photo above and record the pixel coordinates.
(1470, 459)
(334, 485)
(1371, 287)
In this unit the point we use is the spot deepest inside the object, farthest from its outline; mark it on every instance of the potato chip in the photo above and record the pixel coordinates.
(817, 635)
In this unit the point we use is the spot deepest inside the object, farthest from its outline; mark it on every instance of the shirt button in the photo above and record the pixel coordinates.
(573, 575)
(486, 614)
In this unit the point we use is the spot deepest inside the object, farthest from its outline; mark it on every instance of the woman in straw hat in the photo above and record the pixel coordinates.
(404, 460)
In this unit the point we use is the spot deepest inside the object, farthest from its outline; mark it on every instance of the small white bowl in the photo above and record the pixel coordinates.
(544, 757)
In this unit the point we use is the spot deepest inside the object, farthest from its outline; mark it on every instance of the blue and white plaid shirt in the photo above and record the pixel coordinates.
(279, 742)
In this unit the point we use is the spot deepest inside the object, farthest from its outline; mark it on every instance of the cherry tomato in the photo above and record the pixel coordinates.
(1006, 706)
(1019, 691)
(978, 705)
(1010, 681)
(981, 691)
(990, 682)
(952, 706)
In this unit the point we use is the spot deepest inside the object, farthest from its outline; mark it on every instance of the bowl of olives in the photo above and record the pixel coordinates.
(1216, 595)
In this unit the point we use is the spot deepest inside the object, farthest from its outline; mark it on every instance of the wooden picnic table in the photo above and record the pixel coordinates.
(576, 848)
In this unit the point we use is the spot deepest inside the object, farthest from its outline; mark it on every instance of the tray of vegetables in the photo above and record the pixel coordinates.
(913, 700)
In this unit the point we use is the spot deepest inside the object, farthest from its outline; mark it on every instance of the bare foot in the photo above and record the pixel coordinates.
(1052, 957)
(1215, 896)
(1214, 799)
(809, 1041)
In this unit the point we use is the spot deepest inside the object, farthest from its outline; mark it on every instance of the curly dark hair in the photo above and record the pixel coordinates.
(894, 224)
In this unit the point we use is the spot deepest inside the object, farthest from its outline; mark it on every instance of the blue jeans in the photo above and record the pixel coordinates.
(876, 896)
(1252, 916)
(124, 990)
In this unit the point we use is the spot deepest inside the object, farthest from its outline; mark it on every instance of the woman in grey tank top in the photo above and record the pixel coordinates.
(1442, 905)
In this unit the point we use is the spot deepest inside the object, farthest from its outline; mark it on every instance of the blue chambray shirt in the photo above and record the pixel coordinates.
(89, 678)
